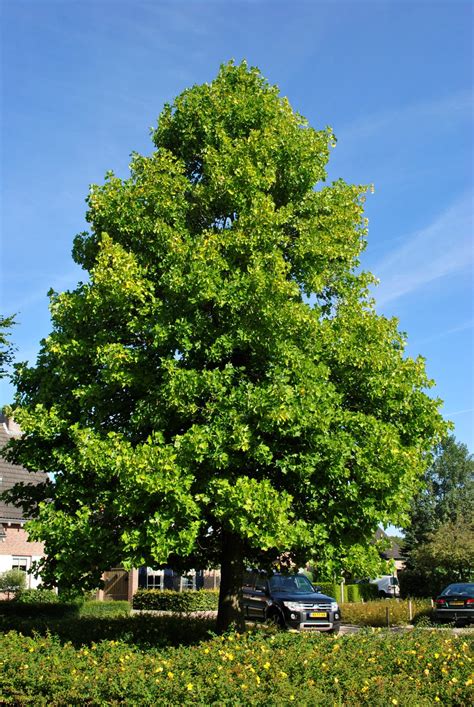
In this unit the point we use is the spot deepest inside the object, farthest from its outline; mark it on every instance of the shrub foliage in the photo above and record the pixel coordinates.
(168, 600)
(419, 668)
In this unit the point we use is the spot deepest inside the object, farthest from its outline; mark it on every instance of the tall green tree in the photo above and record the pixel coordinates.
(446, 495)
(7, 349)
(220, 389)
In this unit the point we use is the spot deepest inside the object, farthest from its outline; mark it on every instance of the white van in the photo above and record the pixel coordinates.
(388, 586)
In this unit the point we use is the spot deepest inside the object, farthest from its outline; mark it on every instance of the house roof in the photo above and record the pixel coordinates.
(11, 474)
(391, 553)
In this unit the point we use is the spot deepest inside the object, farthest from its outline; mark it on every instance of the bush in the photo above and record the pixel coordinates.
(104, 609)
(35, 609)
(258, 668)
(12, 582)
(168, 600)
(416, 584)
(37, 596)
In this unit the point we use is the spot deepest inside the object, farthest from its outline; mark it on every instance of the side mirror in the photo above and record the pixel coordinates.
(317, 588)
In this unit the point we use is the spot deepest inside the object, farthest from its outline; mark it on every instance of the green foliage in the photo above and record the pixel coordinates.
(352, 592)
(168, 600)
(12, 581)
(447, 492)
(6, 347)
(221, 380)
(440, 539)
(104, 609)
(416, 668)
(88, 625)
(374, 613)
(448, 553)
(35, 609)
(38, 596)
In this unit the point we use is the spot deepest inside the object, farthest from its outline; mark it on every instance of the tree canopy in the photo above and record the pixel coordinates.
(7, 349)
(220, 389)
(439, 536)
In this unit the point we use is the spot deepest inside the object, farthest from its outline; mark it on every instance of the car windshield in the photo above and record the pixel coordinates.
(460, 589)
(296, 584)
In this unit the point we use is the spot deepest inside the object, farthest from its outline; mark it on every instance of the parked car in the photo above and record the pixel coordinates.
(290, 601)
(456, 603)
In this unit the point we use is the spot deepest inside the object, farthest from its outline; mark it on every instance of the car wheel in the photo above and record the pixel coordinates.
(276, 619)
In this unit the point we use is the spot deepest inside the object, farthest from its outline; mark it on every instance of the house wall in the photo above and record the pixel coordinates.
(17, 545)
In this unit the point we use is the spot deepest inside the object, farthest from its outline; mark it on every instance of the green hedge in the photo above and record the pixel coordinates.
(168, 600)
(352, 592)
(36, 609)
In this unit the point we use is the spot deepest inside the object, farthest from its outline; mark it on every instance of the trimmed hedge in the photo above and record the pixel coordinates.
(352, 592)
(55, 610)
(169, 600)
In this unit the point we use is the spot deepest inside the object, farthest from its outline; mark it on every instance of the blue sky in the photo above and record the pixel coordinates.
(83, 81)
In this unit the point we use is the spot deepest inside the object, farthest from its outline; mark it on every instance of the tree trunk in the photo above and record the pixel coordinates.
(230, 612)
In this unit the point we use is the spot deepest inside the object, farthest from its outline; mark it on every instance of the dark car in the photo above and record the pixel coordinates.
(456, 603)
(290, 601)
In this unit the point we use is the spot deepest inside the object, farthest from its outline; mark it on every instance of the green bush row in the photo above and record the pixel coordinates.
(169, 600)
(352, 592)
(258, 668)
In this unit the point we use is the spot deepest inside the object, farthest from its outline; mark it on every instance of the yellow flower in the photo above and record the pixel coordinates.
(336, 680)
(244, 686)
(426, 671)
(189, 686)
(437, 699)
(365, 688)
(257, 679)
(283, 674)
(206, 650)
(394, 701)
(266, 665)
(170, 675)
(292, 697)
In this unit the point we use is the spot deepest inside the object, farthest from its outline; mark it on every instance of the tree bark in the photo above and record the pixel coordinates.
(230, 614)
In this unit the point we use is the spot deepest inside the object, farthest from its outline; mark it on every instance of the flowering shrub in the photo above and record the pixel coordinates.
(372, 668)
(168, 600)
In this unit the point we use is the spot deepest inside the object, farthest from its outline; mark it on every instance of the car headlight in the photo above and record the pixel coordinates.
(293, 605)
(334, 606)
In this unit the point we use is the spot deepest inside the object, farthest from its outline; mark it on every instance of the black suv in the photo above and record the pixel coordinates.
(290, 601)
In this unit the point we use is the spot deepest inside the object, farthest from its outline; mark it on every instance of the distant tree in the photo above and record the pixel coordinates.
(447, 555)
(6, 347)
(12, 582)
(447, 493)
(221, 390)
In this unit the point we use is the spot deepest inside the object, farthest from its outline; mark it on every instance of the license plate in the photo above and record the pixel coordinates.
(317, 615)
(456, 603)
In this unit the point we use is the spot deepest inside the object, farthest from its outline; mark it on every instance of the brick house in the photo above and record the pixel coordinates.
(16, 551)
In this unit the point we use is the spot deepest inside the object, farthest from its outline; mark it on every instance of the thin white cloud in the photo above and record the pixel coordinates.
(454, 107)
(465, 326)
(442, 248)
(458, 412)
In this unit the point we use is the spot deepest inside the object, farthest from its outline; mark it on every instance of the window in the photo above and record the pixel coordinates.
(154, 580)
(20, 563)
